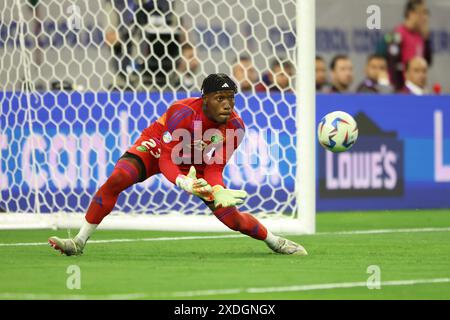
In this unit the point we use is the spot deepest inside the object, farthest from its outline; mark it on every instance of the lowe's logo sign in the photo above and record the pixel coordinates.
(374, 167)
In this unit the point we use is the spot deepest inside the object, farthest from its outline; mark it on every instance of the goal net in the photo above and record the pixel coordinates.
(79, 81)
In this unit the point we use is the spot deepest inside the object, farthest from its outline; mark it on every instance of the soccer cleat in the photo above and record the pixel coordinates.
(285, 246)
(70, 247)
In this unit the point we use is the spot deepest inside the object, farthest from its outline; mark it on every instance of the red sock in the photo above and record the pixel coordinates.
(242, 222)
(124, 175)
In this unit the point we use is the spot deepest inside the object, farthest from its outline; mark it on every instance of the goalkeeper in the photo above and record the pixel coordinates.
(186, 164)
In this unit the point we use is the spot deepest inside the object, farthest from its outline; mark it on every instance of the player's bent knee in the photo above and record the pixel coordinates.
(125, 174)
(114, 181)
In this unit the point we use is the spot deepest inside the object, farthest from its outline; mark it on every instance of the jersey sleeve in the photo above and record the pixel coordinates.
(213, 172)
(177, 117)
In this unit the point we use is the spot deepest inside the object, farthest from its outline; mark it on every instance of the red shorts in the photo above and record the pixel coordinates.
(148, 150)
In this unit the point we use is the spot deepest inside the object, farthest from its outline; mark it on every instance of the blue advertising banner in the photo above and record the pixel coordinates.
(401, 159)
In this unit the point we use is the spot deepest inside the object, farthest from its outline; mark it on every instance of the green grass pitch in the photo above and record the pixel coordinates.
(240, 267)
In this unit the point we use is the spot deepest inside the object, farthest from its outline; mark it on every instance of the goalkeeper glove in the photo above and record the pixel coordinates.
(227, 197)
(197, 187)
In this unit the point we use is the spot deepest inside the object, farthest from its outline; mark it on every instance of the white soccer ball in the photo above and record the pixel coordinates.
(337, 131)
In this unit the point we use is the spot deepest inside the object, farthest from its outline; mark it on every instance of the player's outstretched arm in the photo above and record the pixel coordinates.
(201, 188)
(227, 197)
(222, 197)
(197, 187)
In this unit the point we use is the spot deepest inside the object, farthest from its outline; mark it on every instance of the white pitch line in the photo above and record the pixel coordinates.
(197, 293)
(380, 231)
(48, 296)
(355, 232)
(130, 240)
(297, 288)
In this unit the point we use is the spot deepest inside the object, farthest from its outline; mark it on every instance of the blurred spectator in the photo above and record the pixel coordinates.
(416, 76)
(144, 42)
(341, 74)
(245, 73)
(377, 77)
(408, 40)
(278, 78)
(188, 68)
(321, 75)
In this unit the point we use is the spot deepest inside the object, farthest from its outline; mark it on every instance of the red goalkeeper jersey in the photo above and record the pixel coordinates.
(188, 138)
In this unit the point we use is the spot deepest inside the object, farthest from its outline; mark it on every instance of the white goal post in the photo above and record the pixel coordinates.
(79, 81)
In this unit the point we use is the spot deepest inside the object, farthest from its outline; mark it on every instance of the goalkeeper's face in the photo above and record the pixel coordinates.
(219, 105)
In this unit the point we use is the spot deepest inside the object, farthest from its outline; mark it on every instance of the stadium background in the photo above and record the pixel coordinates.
(404, 149)
(212, 36)
(412, 172)
(412, 120)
